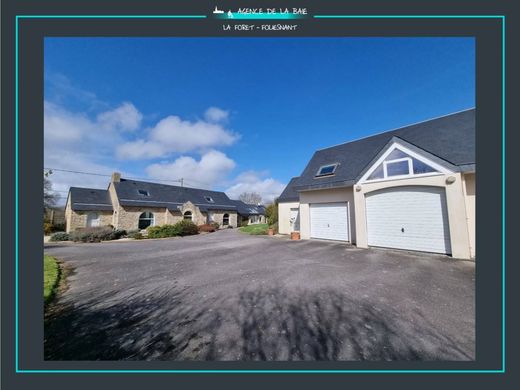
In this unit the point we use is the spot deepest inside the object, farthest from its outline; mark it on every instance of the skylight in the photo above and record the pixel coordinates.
(326, 170)
(209, 199)
(143, 192)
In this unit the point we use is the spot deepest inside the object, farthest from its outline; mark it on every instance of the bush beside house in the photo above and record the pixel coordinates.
(271, 213)
(60, 236)
(181, 228)
(96, 234)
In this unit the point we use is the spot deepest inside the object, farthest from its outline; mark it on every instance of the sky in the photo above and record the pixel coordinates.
(235, 114)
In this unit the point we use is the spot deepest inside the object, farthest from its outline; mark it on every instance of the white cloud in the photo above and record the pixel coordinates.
(251, 181)
(212, 168)
(215, 114)
(125, 117)
(73, 141)
(174, 135)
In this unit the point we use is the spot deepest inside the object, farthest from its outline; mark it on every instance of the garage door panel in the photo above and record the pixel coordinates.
(329, 221)
(412, 218)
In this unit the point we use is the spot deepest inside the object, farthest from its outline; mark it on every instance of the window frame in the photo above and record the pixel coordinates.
(224, 218)
(397, 160)
(438, 169)
(97, 219)
(152, 219)
(318, 174)
(185, 214)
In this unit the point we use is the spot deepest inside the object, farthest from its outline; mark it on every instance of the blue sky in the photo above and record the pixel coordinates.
(236, 114)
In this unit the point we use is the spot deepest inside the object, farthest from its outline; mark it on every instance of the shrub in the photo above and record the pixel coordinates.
(48, 228)
(163, 231)
(274, 226)
(209, 228)
(92, 234)
(60, 236)
(271, 213)
(187, 228)
(215, 224)
(136, 235)
(117, 234)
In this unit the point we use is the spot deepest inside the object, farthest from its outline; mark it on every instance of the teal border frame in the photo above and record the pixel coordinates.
(270, 371)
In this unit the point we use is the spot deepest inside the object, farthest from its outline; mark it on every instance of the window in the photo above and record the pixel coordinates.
(93, 219)
(225, 220)
(326, 170)
(398, 167)
(398, 163)
(420, 167)
(379, 173)
(188, 216)
(146, 219)
(209, 199)
(143, 192)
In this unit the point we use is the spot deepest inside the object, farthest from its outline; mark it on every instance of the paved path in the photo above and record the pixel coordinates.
(230, 296)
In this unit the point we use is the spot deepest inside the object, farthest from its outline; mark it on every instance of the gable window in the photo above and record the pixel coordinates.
(143, 192)
(225, 220)
(188, 216)
(399, 163)
(146, 219)
(327, 170)
(209, 199)
(398, 167)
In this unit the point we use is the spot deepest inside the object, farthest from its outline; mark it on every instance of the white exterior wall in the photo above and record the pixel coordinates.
(326, 196)
(469, 192)
(284, 216)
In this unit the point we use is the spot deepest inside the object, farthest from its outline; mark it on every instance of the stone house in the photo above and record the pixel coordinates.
(131, 205)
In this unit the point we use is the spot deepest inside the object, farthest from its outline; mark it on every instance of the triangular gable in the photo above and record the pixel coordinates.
(400, 159)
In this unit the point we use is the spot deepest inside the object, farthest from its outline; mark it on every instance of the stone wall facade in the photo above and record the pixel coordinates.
(127, 217)
(78, 219)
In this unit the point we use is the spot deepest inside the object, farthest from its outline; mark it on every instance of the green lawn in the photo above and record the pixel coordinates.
(260, 228)
(51, 275)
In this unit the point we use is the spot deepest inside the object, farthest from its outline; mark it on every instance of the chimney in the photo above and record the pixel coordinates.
(116, 177)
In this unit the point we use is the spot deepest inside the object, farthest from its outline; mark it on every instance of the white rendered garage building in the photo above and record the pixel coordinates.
(411, 188)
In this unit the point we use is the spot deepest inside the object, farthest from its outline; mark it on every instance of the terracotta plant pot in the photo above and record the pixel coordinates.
(295, 235)
(270, 231)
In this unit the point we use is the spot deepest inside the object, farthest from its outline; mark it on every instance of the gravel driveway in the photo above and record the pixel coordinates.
(230, 296)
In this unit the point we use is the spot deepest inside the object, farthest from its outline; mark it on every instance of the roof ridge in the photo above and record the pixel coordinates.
(398, 128)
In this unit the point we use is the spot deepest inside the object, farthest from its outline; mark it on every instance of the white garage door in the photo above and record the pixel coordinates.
(329, 221)
(413, 218)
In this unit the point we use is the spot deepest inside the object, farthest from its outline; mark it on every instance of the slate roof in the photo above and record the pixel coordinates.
(449, 138)
(169, 196)
(246, 210)
(85, 199)
(289, 194)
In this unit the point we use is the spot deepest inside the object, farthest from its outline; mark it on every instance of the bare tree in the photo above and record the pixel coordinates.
(49, 198)
(250, 197)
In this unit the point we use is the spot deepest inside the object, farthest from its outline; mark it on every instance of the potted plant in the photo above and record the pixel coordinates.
(270, 231)
(295, 235)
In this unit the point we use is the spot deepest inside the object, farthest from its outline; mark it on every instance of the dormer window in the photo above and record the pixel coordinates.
(209, 199)
(327, 170)
(143, 192)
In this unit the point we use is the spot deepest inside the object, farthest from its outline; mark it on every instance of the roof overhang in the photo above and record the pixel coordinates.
(325, 186)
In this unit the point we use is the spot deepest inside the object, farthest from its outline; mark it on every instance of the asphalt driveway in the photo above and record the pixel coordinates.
(230, 296)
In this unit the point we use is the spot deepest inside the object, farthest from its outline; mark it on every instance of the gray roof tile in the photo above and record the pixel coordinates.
(84, 199)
